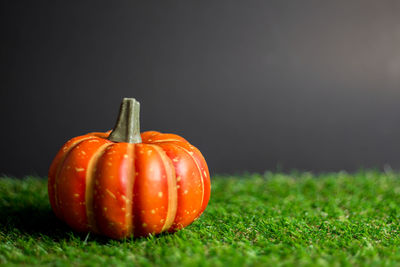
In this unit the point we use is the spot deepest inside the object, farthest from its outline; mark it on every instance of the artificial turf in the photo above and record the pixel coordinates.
(269, 220)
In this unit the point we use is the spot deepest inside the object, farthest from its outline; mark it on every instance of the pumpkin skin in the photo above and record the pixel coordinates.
(120, 189)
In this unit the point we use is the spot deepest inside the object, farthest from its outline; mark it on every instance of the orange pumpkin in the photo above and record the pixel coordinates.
(125, 183)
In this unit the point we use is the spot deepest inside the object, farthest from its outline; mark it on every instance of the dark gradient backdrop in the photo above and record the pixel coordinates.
(311, 85)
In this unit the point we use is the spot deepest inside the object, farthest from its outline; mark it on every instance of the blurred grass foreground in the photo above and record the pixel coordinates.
(269, 220)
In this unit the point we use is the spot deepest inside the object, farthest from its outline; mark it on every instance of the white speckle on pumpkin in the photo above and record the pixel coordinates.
(178, 178)
(124, 198)
(79, 169)
(105, 209)
(175, 160)
(205, 173)
(76, 195)
(126, 156)
(109, 163)
(83, 152)
(160, 194)
(153, 211)
(144, 224)
(185, 192)
(110, 194)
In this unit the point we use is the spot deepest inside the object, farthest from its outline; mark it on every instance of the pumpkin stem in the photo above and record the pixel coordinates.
(127, 128)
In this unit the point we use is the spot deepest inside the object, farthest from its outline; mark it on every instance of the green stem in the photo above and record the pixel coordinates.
(127, 128)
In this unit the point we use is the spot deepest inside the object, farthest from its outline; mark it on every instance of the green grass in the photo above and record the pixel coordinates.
(269, 220)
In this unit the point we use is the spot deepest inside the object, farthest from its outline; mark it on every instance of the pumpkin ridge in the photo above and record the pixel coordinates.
(59, 167)
(129, 217)
(201, 174)
(90, 176)
(172, 188)
(207, 183)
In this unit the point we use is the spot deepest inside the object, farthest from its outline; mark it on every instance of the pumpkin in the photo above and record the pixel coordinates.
(122, 183)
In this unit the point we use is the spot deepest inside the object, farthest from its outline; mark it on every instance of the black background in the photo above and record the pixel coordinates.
(310, 85)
